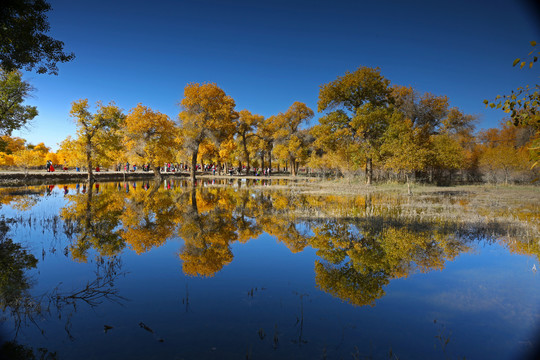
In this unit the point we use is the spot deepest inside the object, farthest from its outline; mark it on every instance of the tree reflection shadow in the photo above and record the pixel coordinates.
(94, 220)
(27, 308)
(363, 242)
(94, 293)
(207, 235)
(359, 259)
(15, 284)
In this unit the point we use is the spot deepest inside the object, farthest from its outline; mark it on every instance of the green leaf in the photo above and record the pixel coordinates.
(492, 105)
(516, 62)
(533, 43)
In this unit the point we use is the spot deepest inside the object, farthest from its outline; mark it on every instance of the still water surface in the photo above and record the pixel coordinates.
(230, 271)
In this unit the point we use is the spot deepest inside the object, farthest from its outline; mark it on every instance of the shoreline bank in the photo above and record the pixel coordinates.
(40, 177)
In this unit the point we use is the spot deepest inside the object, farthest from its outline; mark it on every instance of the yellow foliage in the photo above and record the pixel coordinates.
(6, 160)
(150, 137)
(97, 134)
(53, 157)
(12, 144)
(71, 152)
(29, 158)
(42, 148)
(206, 109)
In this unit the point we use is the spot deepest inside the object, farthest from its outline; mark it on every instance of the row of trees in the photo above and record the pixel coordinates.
(368, 127)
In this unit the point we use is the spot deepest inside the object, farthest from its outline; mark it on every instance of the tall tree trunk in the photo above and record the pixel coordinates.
(293, 170)
(262, 160)
(246, 156)
(89, 205)
(89, 161)
(194, 165)
(157, 173)
(270, 161)
(369, 171)
(194, 202)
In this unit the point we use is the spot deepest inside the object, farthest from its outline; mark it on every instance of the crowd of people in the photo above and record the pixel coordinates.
(181, 167)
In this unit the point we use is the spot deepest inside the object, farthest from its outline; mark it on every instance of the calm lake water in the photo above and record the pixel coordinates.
(240, 270)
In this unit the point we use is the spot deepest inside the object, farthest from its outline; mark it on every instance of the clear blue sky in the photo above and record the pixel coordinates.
(268, 54)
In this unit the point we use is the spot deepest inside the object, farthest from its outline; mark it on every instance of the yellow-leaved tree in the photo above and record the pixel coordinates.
(290, 139)
(265, 134)
(353, 94)
(71, 152)
(207, 112)
(28, 158)
(8, 146)
(502, 158)
(247, 125)
(150, 137)
(403, 148)
(97, 130)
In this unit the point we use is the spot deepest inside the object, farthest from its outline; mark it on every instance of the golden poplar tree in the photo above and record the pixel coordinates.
(207, 113)
(93, 127)
(289, 137)
(150, 137)
(349, 93)
(247, 125)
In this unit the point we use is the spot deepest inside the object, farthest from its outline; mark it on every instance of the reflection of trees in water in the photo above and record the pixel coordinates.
(358, 260)
(26, 308)
(21, 198)
(15, 284)
(93, 219)
(13, 351)
(94, 293)
(363, 241)
(207, 234)
(148, 218)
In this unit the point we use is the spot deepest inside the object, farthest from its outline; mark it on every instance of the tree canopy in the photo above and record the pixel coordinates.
(207, 113)
(96, 130)
(150, 137)
(13, 93)
(24, 43)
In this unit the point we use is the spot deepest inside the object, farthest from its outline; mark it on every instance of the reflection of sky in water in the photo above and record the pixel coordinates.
(266, 304)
